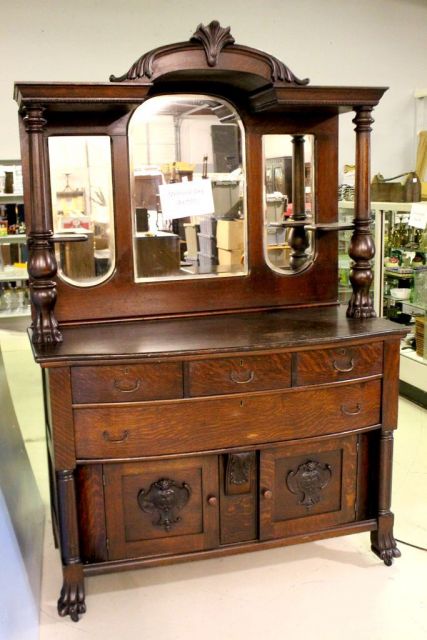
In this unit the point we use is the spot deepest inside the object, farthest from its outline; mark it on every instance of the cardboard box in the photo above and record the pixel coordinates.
(228, 258)
(230, 234)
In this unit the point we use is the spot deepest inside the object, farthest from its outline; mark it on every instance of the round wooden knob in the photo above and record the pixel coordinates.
(267, 494)
(213, 501)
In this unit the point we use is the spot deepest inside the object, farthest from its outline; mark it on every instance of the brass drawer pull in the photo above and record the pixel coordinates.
(349, 412)
(237, 381)
(343, 369)
(108, 438)
(135, 386)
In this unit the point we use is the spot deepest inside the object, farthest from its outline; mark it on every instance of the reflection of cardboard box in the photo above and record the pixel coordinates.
(228, 258)
(230, 234)
(279, 256)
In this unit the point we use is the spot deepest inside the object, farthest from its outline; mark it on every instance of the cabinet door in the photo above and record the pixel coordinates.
(161, 507)
(307, 487)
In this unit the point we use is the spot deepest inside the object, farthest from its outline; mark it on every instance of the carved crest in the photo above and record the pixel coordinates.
(308, 480)
(164, 498)
(213, 38)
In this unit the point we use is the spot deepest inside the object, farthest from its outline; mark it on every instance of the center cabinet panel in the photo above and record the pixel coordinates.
(161, 507)
(307, 487)
(185, 426)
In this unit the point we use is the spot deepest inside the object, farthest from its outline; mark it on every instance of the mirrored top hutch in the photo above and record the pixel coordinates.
(205, 392)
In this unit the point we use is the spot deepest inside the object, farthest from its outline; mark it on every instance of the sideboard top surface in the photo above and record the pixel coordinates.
(245, 332)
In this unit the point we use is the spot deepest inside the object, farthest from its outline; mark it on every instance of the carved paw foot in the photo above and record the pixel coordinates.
(72, 599)
(387, 555)
(360, 306)
(383, 542)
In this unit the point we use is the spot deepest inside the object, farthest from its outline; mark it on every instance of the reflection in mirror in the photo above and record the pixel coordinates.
(82, 205)
(289, 201)
(188, 188)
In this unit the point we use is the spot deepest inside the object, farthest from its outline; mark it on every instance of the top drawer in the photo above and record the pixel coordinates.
(127, 383)
(341, 363)
(234, 375)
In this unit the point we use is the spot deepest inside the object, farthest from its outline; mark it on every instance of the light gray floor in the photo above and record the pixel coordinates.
(327, 590)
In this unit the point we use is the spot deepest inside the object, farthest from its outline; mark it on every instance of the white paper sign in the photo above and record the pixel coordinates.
(183, 199)
(418, 215)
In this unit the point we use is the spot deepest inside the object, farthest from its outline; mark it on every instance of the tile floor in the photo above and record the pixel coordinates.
(329, 590)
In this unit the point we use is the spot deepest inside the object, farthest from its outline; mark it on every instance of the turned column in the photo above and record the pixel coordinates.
(362, 248)
(41, 262)
(298, 239)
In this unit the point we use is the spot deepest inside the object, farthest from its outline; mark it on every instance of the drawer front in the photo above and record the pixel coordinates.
(236, 375)
(127, 383)
(342, 363)
(207, 424)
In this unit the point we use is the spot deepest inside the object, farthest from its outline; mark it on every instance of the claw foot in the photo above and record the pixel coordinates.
(71, 602)
(383, 542)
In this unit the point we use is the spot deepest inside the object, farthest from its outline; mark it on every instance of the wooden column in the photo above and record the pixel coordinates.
(298, 238)
(41, 263)
(383, 543)
(362, 248)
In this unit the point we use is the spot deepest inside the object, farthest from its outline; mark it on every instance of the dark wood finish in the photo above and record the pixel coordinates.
(130, 383)
(236, 375)
(329, 365)
(163, 428)
(91, 515)
(192, 418)
(134, 532)
(298, 238)
(362, 248)
(238, 502)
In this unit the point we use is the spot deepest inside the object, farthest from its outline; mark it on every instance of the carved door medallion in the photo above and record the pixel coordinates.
(308, 480)
(164, 498)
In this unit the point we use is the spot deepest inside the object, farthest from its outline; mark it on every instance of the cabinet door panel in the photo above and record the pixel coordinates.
(161, 507)
(307, 487)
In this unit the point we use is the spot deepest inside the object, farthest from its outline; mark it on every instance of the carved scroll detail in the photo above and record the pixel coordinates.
(239, 471)
(164, 498)
(308, 480)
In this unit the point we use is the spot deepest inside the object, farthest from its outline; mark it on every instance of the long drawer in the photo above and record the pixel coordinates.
(161, 428)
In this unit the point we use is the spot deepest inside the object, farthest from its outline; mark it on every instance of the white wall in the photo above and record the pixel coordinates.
(355, 42)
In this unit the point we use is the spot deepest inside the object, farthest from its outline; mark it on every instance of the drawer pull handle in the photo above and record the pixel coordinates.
(108, 438)
(267, 494)
(237, 381)
(212, 501)
(126, 389)
(343, 369)
(349, 412)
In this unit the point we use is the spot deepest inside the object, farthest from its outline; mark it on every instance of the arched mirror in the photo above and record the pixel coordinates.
(188, 189)
(82, 206)
(289, 201)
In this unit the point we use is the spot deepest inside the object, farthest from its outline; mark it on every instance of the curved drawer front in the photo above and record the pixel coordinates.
(237, 375)
(342, 363)
(127, 383)
(217, 423)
